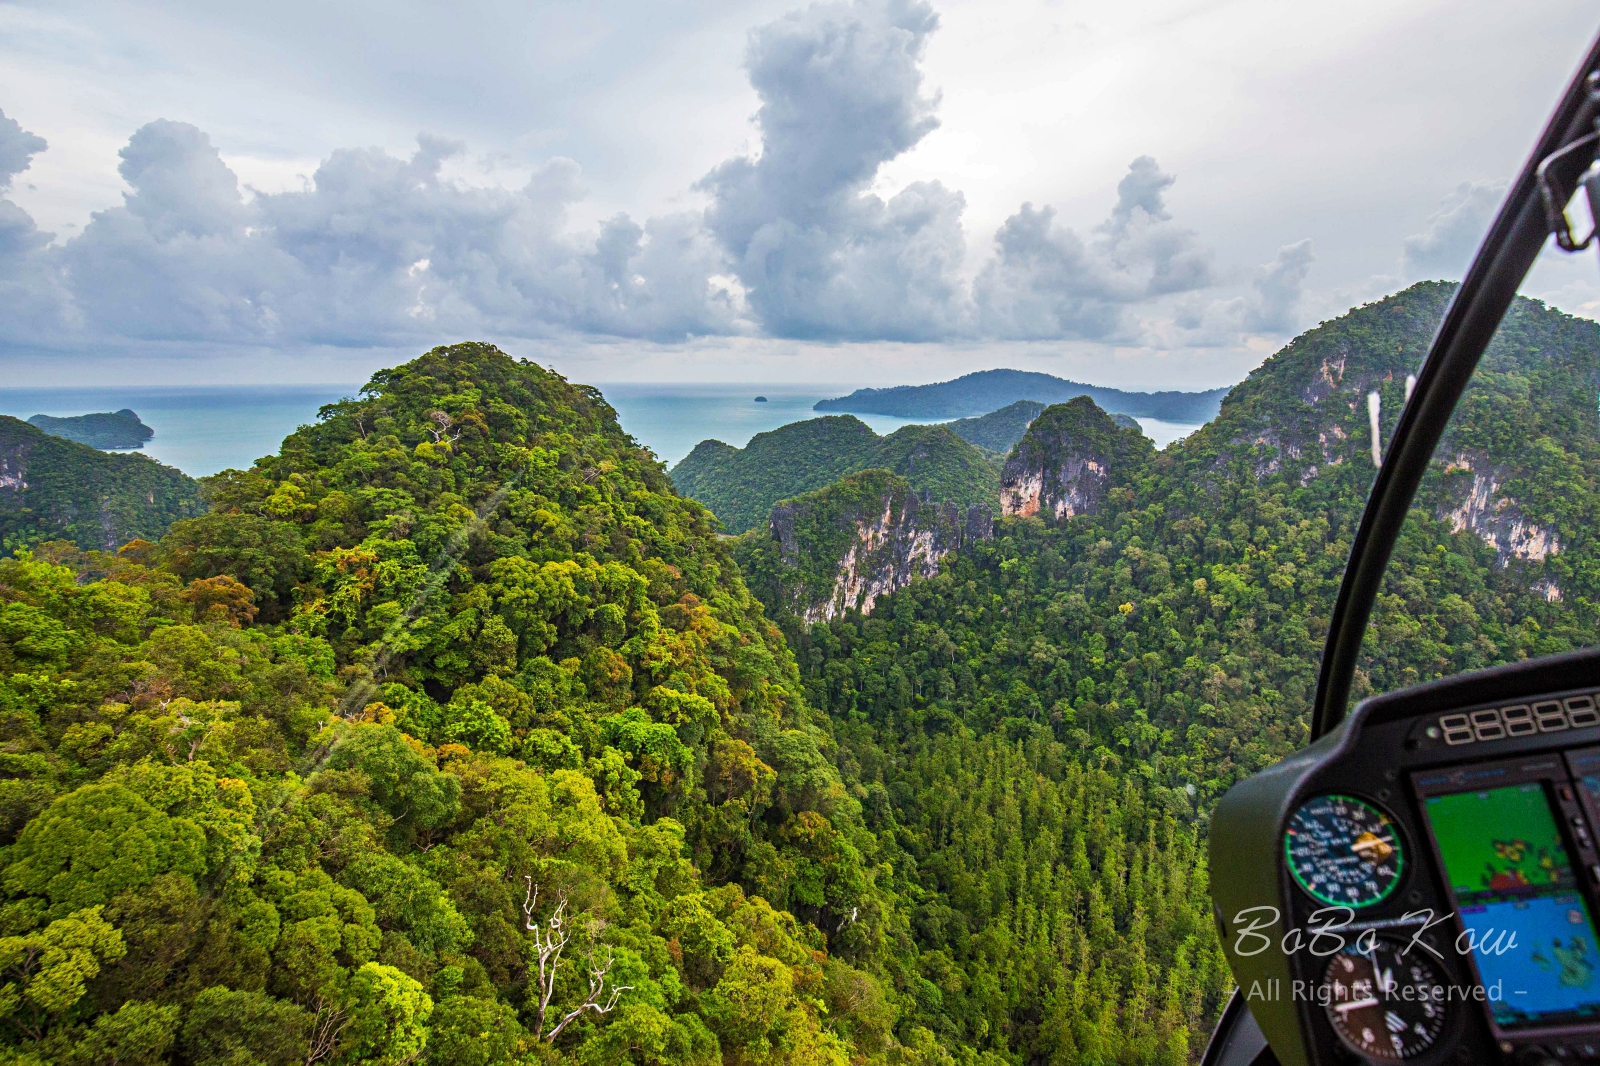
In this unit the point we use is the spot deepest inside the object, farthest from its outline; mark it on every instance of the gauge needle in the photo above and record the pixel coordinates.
(1356, 1004)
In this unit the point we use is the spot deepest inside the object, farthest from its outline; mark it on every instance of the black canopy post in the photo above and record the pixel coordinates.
(1503, 260)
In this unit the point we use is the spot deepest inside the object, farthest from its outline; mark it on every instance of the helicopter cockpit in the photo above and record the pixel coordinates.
(1422, 882)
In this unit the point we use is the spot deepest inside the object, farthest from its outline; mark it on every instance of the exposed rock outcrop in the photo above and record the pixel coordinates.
(1494, 517)
(843, 547)
(1068, 460)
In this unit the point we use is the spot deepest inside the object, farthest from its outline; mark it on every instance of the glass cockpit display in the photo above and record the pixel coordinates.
(1343, 851)
(1526, 924)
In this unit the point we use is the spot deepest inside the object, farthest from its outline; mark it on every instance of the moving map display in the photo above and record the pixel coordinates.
(1531, 936)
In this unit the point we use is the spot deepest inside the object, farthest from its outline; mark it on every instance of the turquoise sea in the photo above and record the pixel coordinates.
(201, 429)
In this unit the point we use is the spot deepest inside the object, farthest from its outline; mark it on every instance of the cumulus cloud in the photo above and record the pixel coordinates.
(1445, 246)
(377, 250)
(18, 233)
(818, 254)
(17, 149)
(383, 250)
(1272, 307)
(31, 301)
(1279, 285)
(1045, 281)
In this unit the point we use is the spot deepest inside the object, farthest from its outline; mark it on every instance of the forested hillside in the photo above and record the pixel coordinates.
(451, 735)
(105, 429)
(54, 487)
(740, 485)
(840, 548)
(998, 431)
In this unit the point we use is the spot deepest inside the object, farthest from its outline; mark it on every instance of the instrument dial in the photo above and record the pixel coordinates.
(1385, 1003)
(1343, 851)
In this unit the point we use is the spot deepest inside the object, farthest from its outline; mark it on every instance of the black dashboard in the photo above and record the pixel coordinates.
(1437, 884)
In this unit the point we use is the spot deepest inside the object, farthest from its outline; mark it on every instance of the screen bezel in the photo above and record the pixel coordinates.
(1548, 769)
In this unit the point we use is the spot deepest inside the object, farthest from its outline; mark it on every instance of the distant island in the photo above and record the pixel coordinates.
(989, 390)
(761, 399)
(107, 430)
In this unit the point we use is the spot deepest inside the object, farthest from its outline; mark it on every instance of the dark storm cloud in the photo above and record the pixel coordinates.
(794, 242)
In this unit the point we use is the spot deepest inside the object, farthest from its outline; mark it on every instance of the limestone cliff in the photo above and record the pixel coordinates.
(1483, 506)
(843, 547)
(1071, 456)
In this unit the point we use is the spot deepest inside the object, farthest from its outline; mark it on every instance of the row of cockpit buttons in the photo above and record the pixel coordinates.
(1518, 720)
(1585, 1052)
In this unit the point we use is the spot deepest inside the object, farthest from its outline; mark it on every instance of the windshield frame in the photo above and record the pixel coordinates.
(1508, 251)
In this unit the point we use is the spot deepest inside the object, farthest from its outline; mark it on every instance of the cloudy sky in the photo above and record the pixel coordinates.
(1150, 193)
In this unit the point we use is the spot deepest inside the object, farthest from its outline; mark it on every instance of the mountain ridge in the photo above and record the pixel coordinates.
(104, 429)
(983, 391)
(741, 485)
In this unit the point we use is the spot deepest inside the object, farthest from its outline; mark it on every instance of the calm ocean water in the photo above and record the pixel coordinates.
(201, 429)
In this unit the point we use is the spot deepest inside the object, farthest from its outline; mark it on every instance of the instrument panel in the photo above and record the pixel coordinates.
(1437, 881)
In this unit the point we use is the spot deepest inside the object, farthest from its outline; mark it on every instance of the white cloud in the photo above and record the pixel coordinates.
(1279, 285)
(380, 250)
(188, 258)
(1273, 307)
(17, 149)
(1046, 281)
(1445, 247)
(817, 233)
(819, 254)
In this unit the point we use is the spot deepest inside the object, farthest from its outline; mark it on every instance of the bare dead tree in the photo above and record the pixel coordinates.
(548, 944)
(325, 1032)
(598, 972)
(441, 425)
(549, 941)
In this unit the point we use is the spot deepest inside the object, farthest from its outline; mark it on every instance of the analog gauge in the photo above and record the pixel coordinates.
(1343, 851)
(1385, 1002)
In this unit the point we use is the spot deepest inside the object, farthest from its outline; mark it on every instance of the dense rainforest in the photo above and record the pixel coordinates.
(448, 734)
(452, 733)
